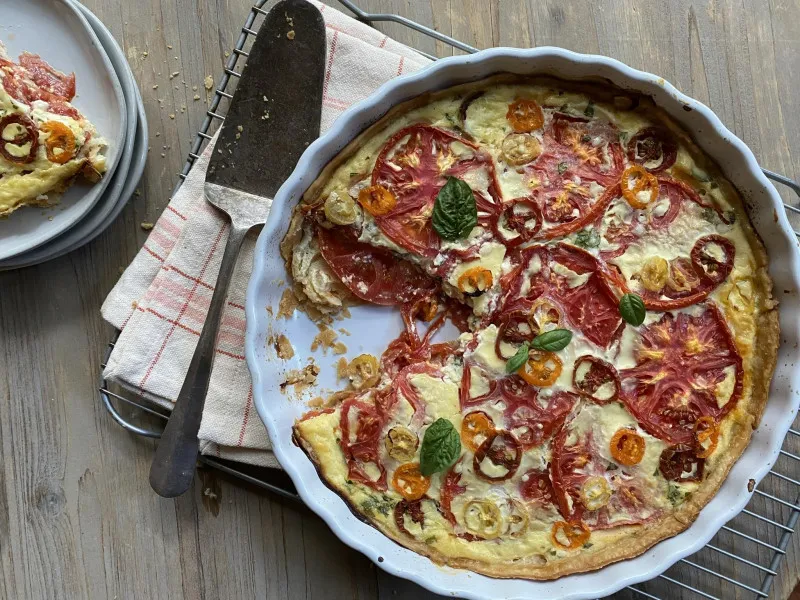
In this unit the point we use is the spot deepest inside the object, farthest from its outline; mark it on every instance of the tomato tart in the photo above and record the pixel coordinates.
(618, 331)
(45, 142)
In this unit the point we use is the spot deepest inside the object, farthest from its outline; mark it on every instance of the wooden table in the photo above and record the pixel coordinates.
(77, 518)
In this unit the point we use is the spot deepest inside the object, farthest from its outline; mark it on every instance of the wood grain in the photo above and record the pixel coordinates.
(77, 518)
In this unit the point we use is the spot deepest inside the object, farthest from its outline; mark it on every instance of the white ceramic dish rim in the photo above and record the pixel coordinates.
(127, 175)
(114, 153)
(755, 463)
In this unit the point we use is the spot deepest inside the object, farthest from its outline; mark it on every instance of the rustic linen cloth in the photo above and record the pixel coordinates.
(161, 300)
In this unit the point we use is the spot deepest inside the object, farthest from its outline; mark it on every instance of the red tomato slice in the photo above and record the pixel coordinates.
(653, 147)
(576, 462)
(409, 392)
(465, 397)
(414, 165)
(450, 489)
(60, 107)
(591, 147)
(680, 362)
(535, 486)
(594, 309)
(371, 273)
(533, 415)
(362, 426)
(47, 78)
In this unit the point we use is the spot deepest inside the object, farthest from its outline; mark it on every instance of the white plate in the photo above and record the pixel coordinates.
(379, 325)
(55, 30)
(124, 180)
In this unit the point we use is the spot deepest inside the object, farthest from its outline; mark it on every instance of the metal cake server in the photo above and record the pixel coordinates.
(274, 115)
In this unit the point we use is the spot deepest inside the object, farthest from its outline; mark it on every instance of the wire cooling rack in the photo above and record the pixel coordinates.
(740, 562)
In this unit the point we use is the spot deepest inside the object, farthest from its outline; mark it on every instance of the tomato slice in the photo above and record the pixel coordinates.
(465, 395)
(654, 148)
(29, 134)
(518, 222)
(414, 165)
(362, 426)
(525, 115)
(594, 309)
(501, 449)
(681, 463)
(590, 146)
(682, 363)
(409, 482)
(542, 369)
(412, 509)
(60, 144)
(47, 78)
(707, 261)
(596, 379)
(475, 428)
(409, 348)
(627, 447)
(372, 274)
(706, 435)
(531, 414)
(535, 486)
(450, 489)
(569, 536)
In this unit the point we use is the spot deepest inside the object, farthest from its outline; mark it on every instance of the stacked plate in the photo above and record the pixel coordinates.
(71, 38)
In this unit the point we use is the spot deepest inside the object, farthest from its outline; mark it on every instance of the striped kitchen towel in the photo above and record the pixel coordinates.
(161, 300)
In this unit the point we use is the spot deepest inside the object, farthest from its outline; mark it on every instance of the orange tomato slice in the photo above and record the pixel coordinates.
(410, 482)
(377, 200)
(475, 281)
(60, 144)
(569, 536)
(643, 181)
(542, 369)
(525, 115)
(706, 432)
(475, 428)
(426, 309)
(627, 447)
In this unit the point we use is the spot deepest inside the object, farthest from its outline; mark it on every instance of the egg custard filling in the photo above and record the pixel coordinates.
(45, 143)
(618, 328)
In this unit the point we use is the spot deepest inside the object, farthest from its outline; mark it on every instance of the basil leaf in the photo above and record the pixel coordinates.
(515, 362)
(562, 168)
(454, 212)
(631, 307)
(441, 446)
(589, 111)
(588, 238)
(552, 341)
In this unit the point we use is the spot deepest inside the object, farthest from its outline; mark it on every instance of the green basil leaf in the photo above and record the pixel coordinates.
(631, 307)
(441, 446)
(588, 238)
(454, 212)
(515, 362)
(562, 168)
(589, 111)
(552, 341)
